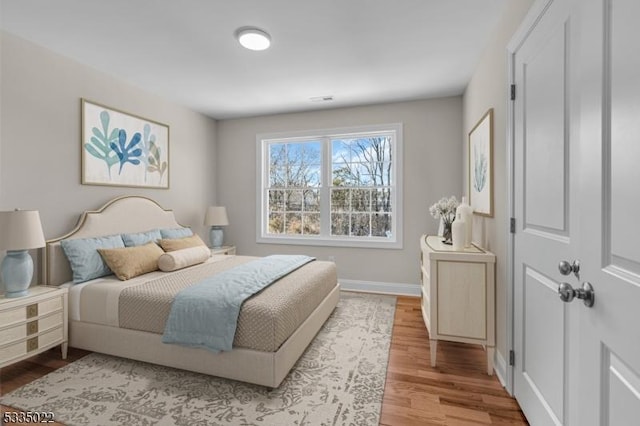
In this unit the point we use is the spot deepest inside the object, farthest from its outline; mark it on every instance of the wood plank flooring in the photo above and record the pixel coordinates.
(456, 392)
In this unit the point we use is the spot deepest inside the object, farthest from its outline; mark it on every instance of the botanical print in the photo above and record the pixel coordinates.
(479, 168)
(339, 380)
(480, 164)
(139, 148)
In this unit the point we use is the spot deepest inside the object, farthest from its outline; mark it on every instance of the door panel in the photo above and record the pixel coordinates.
(624, 143)
(609, 343)
(622, 391)
(544, 341)
(543, 209)
(544, 139)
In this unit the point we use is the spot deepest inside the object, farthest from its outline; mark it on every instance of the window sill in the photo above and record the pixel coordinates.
(331, 242)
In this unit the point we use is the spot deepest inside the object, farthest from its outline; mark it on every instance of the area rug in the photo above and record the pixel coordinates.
(339, 380)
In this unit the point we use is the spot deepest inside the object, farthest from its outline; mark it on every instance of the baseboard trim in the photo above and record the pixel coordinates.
(500, 367)
(398, 289)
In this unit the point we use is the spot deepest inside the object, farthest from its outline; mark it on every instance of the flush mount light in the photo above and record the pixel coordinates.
(253, 38)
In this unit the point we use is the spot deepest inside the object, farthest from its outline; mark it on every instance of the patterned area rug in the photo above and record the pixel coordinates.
(339, 380)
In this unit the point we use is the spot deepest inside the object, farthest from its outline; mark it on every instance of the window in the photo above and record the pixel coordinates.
(333, 187)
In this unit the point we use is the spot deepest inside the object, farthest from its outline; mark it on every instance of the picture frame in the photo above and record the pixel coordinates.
(122, 149)
(480, 170)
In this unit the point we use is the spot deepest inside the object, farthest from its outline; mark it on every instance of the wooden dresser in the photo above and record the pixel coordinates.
(458, 295)
(32, 324)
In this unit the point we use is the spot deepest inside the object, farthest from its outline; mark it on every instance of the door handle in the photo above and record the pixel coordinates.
(586, 293)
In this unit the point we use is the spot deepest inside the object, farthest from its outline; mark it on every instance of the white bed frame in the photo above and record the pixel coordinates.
(138, 214)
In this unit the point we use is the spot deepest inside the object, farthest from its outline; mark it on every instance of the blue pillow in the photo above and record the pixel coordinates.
(141, 238)
(172, 233)
(86, 263)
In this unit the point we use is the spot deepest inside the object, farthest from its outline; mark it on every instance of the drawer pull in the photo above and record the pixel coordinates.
(32, 310)
(32, 344)
(32, 327)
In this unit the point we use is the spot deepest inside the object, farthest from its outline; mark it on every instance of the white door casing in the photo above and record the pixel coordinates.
(546, 220)
(576, 195)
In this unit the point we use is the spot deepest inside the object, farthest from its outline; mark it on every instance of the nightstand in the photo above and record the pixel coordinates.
(225, 250)
(32, 324)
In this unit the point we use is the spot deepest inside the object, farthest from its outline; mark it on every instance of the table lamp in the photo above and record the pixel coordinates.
(20, 230)
(216, 218)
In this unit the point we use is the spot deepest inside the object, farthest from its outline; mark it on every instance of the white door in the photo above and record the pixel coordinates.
(546, 220)
(609, 352)
(577, 197)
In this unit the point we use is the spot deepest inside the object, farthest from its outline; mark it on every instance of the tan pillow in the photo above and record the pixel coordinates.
(174, 244)
(179, 259)
(129, 262)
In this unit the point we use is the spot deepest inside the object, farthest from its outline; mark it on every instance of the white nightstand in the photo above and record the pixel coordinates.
(32, 324)
(225, 250)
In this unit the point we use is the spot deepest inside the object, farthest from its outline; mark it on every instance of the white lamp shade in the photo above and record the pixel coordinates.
(21, 230)
(216, 216)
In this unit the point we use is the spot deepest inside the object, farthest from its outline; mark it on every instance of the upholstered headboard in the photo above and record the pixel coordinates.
(121, 215)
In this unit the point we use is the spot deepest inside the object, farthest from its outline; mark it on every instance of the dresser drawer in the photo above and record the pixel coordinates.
(30, 328)
(31, 344)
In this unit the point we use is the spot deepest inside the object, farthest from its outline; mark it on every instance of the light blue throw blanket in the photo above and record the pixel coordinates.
(206, 314)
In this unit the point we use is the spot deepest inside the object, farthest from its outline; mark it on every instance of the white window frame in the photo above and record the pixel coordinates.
(325, 239)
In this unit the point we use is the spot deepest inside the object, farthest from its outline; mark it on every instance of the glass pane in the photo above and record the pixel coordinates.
(312, 201)
(339, 224)
(381, 225)
(277, 177)
(276, 223)
(304, 152)
(311, 223)
(340, 151)
(381, 173)
(381, 201)
(293, 224)
(312, 176)
(360, 225)
(293, 201)
(360, 200)
(340, 200)
(276, 200)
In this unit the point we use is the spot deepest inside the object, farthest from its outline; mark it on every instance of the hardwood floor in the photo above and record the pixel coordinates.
(456, 392)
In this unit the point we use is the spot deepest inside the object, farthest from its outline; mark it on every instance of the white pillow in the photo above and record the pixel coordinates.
(179, 259)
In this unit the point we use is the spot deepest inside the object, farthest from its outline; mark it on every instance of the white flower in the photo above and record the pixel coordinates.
(444, 209)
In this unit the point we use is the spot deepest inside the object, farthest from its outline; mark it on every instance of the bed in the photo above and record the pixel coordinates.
(96, 317)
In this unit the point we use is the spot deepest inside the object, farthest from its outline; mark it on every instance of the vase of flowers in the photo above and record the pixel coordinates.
(445, 210)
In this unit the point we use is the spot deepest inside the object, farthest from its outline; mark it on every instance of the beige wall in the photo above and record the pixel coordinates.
(432, 153)
(488, 89)
(40, 139)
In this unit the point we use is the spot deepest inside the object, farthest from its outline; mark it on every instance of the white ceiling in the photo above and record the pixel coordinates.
(359, 51)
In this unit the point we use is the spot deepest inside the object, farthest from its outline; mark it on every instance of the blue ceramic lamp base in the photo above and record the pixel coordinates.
(217, 236)
(16, 272)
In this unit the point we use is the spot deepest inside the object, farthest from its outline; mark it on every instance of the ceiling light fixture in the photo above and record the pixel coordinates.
(253, 38)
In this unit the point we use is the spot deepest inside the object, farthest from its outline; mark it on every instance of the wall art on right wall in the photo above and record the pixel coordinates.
(481, 166)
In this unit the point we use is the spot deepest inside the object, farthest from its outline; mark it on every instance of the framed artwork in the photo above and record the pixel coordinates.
(481, 166)
(122, 149)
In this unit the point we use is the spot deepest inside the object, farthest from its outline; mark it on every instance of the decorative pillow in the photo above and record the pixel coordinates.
(141, 238)
(84, 258)
(170, 233)
(129, 262)
(181, 243)
(182, 258)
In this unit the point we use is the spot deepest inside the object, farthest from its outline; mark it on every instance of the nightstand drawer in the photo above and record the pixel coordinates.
(30, 328)
(30, 311)
(31, 344)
